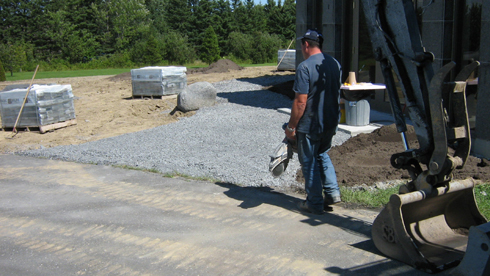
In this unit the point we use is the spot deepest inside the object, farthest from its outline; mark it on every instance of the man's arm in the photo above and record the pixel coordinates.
(297, 111)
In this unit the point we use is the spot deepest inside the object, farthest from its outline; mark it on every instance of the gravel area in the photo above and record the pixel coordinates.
(229, 142)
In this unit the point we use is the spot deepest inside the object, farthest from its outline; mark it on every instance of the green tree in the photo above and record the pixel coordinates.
(121, 24)
(47, 18)
(273, 11)
(105, 33)
(153, 55)
(74, 31)
(222, 22)
(210, 47)
(259, 18)
(80, 46)
(13, 56)
(147, 52)
(72, 45)
(178, 14)
(287, 24)
(177, 48)
(58, 31)
(265, 47)
(130, 22)
(16, 16)
(202, 18)
(239, 16)
(248, 20)
(81, 14)
(2, 72)
(240, 45)
(157, 16)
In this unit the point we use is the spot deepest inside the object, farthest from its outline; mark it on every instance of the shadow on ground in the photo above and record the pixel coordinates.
(383, 267)
(252, 197)
(256, 98)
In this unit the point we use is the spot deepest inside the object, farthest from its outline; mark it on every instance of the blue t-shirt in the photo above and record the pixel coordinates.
(320, 77)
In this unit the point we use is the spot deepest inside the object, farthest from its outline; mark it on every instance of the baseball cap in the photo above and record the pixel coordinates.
(313, 35)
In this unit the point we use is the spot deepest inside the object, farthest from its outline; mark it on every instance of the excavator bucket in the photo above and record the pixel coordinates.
(428, 226)
(428, 231)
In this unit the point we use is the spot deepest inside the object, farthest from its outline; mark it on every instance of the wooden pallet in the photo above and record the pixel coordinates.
(147, 97)
(45, 128)
(164, 97)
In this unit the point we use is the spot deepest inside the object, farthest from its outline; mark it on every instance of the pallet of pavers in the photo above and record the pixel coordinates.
(47, 107)
(286, 60)
(158, 81)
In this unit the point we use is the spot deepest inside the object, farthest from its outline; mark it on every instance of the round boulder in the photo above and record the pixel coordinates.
(196, 95)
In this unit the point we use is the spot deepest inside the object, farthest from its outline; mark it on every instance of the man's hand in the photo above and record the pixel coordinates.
(290, 133)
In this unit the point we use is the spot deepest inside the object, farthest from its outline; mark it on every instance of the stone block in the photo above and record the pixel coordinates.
(195, 96)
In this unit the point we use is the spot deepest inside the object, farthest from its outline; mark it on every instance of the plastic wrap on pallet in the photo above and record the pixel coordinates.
(286, 60)
(45, 105)
(158, 81)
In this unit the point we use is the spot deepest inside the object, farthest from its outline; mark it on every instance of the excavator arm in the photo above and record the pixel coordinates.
(426, 225)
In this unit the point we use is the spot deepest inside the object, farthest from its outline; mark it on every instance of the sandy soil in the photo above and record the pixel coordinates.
(104, 107)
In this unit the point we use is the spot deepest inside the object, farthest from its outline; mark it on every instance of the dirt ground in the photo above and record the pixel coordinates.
(365, 159)
(104, 108)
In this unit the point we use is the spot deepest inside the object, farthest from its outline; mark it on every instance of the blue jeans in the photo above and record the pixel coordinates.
(317, 167)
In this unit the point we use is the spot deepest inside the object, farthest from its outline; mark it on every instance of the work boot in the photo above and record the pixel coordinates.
(303, 207)
(330, 200)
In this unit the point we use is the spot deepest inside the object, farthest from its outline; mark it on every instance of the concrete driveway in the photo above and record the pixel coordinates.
(61, 218)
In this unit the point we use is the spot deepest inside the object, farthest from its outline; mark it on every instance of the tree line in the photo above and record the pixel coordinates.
(64, 34)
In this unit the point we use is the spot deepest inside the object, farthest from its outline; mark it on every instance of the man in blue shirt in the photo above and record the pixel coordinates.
(314, 120)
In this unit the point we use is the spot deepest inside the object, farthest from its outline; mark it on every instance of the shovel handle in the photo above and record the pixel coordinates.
(25, 99)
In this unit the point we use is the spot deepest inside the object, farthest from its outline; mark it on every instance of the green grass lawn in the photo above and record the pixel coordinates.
(378, 198)
(257, 65)
(64, 74)
(95, 72)
(482, 195)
